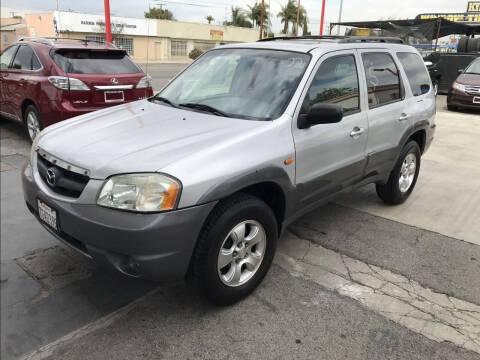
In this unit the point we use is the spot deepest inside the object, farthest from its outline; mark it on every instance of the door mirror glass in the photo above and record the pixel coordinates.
(321, 113)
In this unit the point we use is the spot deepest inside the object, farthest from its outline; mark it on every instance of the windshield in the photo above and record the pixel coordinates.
(241, 83)
(473, 68)
(94, 62)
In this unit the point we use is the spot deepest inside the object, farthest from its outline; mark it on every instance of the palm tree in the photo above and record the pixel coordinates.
(209, 18)
(288, 14)
(255, 14)
(239, 18)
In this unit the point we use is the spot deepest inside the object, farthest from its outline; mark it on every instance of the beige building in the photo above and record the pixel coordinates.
(143, 39)
(10, 30)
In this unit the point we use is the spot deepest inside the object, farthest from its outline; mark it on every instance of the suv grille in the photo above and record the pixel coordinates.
(472, 90)
(61, 181)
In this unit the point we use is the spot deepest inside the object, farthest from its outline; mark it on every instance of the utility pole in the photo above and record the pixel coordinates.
(323, 16)
(298, 17)
(108, 28)
(340, 16)
(261, 19)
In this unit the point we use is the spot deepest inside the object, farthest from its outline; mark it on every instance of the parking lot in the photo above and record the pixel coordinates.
(355, 279)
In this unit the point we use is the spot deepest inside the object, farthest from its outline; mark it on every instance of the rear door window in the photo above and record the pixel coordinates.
(383, 80)
(414, 67)
(7, 57)
(94, 62)
(25, 59)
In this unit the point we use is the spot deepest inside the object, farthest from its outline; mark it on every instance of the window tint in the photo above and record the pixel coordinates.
(24, 58)
(95, 62)
(336, 82)
(383, 80)
(7, 56)
(418, 77)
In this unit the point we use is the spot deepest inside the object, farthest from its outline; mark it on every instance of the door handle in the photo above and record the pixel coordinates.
(403, 117)
(356, 132)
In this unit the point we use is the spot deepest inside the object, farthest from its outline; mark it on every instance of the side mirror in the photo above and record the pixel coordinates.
(460, 71)
(320, 113)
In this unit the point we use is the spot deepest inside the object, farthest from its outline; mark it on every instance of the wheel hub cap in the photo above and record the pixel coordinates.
(33, 125)
(241, 253)
(407, 172)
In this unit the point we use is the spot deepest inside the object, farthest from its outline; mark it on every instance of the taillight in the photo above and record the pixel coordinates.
(66, 83)
(144, 82)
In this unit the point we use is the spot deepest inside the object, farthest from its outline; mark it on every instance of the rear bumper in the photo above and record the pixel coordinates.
(152, 246)
(54, 111)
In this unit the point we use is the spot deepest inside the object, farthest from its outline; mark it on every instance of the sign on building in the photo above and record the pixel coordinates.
(473, 7)
(216, 34)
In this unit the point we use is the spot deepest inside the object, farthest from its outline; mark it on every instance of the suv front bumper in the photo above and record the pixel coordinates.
(152, 246)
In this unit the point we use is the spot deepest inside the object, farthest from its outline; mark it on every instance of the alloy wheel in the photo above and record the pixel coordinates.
(241, 253)
(407, 172)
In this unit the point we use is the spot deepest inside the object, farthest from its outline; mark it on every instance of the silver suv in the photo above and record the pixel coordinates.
(198, 181)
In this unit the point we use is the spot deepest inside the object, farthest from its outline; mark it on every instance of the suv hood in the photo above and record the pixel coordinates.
(140, 137)
(469, 79)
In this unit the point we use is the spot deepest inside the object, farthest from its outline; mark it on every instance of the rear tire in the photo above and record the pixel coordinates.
(32, 121)
(248, 264)
(403, 177)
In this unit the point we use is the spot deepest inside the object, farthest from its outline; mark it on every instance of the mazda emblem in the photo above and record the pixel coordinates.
(51, 177)
(114, 81)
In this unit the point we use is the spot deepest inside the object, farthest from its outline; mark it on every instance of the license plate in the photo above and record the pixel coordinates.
(47, 215)
(114, 96)
(476, 99)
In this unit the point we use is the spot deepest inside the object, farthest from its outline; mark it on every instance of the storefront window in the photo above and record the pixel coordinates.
(179, 48)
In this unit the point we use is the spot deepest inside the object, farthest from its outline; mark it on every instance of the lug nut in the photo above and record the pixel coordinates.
(235, 253)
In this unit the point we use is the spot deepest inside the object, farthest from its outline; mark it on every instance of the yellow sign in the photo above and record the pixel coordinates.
(216, 34)
(461, 17)
(473, 7)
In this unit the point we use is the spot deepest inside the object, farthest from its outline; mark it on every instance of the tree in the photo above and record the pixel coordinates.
(195, 53)
(159, 13)
(238, 18)
(288, 15)
(255, 14)
(209, 18)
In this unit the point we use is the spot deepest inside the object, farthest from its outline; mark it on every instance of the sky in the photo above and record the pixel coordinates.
(197, 10)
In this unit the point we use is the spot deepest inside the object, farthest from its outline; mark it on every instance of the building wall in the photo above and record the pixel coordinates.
(186, 30)
(9, 37)
(40, 24)
(153, 40)
(9, 21)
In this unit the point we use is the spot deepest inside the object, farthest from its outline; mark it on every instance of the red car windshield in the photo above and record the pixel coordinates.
(94, 62)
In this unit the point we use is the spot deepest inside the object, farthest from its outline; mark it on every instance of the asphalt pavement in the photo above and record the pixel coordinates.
(55, 304)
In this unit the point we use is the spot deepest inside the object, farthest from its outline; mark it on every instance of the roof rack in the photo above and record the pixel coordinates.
(51, 40)
(341, 39)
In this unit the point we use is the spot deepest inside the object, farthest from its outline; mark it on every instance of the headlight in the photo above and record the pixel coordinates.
(458, 86)
(33, 149)
(146, 192)
(144, 82)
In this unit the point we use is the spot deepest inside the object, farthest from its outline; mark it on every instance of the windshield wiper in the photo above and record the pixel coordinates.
(164, 100)
(206, 108)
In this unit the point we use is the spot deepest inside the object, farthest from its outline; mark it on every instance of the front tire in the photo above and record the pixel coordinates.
(235, 249)
(32, 121)
(403, 177)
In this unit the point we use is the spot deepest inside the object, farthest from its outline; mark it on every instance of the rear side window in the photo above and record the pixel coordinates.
(94, 62)
(336, 82)
(7, 57)
(25, 59)
(418, 77)
(383, 81)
